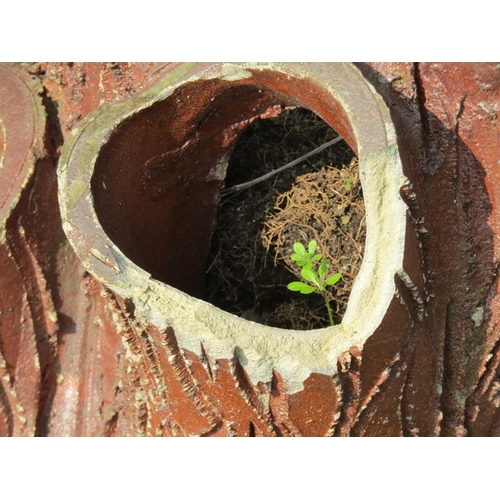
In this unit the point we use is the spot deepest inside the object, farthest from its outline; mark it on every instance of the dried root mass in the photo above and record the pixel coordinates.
(326, 206)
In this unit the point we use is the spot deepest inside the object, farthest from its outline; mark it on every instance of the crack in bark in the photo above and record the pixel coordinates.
(421, 100)
(279, 406)
(370, 405)
(250, 394)
(348, 366)
(189, 383)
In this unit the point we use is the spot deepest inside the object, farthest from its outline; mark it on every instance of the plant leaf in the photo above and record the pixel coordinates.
(295, 286)
(309, 274)
(318, 256)
(333, 279)
(301, 261)
(299, 248)
(312, 247)
(323, 268)
(298, 286)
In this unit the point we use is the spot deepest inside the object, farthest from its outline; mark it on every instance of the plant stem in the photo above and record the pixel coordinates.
(328, 307)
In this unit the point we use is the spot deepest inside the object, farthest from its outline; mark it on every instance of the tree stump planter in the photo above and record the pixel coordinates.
(140, 182)
(129, 349)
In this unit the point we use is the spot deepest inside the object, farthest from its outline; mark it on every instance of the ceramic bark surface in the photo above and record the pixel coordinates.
(102, 333)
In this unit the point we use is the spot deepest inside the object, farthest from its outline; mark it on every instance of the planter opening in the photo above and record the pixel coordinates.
(249, 265)
(140, 186)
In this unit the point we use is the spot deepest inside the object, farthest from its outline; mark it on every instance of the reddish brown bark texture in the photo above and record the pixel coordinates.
(433, 370)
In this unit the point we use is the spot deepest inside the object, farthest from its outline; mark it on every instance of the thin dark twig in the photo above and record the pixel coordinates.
(246, 185)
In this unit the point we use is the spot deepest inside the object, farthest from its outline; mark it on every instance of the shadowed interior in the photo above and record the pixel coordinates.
(157, 180)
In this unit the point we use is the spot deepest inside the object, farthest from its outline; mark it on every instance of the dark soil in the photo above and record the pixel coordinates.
(250, 265)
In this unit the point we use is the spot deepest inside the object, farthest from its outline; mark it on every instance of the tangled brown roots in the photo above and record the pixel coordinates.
(326, 206)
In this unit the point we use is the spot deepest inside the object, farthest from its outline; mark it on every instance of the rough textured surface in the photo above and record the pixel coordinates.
(78, 360)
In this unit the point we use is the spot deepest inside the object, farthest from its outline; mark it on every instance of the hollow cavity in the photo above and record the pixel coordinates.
(249, 264)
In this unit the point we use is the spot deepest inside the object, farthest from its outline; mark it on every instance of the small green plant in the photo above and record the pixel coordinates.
(348, 183)
(314, 271)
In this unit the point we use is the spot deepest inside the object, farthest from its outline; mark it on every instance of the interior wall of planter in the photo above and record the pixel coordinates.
(157, 181)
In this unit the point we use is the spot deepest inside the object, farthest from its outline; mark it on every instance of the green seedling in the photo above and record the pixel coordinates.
(314, 271)
(348, 183)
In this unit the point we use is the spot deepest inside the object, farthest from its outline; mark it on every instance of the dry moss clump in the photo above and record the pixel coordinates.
(326, 206)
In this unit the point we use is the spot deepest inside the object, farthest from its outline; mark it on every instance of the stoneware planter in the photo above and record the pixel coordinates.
(139, 184)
